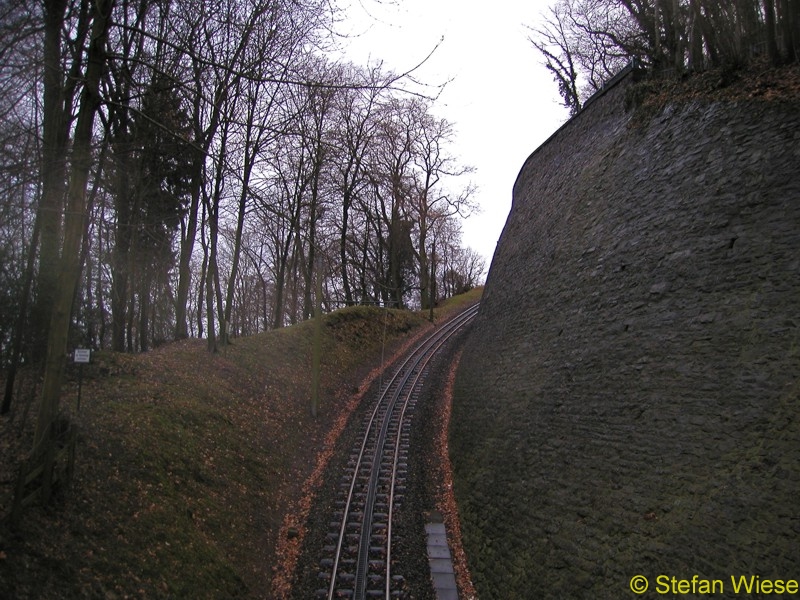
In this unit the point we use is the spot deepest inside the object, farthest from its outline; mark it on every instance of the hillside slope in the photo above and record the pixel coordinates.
(628, 400)
(194, 470)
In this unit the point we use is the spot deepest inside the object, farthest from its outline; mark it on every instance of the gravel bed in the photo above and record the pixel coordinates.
(423, 484)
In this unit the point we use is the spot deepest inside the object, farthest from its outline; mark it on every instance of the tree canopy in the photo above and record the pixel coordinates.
(583, 43)
(174, 169)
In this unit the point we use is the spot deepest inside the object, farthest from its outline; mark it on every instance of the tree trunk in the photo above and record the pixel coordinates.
(424, 273)
(203, 138)
(145, 283)
(348, 294)
(677, 38)
(788, 26)
(657, 58)
(202, 286)
(187, 247)
(251, 148)
(769, 24)
(211, 274)
(308, 283)
(211, 335)
(19, 329)
(695, 38)
(281, 273)
(54, 146)
(120, 266)
(69, 271)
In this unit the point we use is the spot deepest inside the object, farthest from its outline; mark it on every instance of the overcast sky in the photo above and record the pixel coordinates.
(502, 102)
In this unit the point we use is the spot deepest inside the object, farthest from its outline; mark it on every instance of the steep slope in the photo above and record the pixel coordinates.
(627, 403)
(195, 471)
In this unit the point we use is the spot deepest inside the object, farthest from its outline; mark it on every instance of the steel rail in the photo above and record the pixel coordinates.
(410, 371)
(395, 462)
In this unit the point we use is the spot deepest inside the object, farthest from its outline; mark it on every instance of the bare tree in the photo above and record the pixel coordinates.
(219, 120)
(432, 199)
(352, 135)
(585, 42)
(69, 261)
(19, 182)
(552, 40)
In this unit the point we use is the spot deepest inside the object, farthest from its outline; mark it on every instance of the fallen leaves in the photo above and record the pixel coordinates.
(446, 501)
(288, 547)
(195, 472)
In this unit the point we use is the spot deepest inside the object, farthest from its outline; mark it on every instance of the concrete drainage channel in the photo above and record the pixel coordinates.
(442, 574)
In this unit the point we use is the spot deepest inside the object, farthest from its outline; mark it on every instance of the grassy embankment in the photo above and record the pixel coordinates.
(188, 463)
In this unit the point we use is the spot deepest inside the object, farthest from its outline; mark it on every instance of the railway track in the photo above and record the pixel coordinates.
(358, 558)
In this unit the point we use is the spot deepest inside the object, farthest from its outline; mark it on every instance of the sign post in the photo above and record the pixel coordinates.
(81, 356)
(316, 352)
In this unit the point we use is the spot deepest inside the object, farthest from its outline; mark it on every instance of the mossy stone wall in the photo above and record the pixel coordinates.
(627, 402)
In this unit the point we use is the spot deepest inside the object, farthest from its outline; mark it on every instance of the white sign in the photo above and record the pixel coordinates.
(82, 355)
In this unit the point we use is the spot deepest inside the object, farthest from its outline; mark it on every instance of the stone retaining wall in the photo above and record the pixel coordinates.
(628, 400)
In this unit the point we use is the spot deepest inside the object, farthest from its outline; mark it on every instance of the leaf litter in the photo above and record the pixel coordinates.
(194, 471)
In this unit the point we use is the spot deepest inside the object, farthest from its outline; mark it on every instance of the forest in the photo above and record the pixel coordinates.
(207, 168)
(584, 43)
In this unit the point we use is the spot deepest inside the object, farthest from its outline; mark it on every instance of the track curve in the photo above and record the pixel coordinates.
(358, 558)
